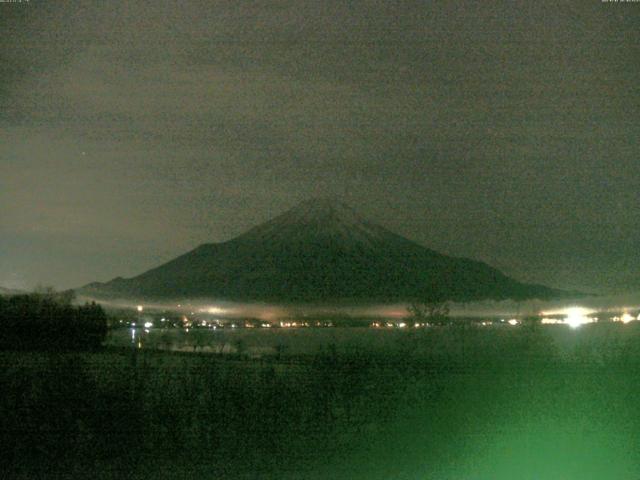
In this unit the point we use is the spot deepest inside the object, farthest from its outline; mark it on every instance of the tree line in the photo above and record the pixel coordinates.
(48, 320)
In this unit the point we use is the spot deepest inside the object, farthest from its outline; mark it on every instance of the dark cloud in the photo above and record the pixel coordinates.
(503, 131)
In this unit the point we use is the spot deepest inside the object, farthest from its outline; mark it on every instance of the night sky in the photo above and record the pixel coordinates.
(131, 132)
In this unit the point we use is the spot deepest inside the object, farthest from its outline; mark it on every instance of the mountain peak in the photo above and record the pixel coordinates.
(314, 219)
(320, 250)
(322, 208)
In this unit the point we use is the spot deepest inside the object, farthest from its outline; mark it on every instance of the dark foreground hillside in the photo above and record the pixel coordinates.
(517, 411)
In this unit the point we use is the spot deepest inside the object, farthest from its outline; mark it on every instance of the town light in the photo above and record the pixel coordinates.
(626, 318)
(576, 317)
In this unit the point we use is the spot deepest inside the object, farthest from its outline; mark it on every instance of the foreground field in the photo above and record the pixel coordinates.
(496, 406)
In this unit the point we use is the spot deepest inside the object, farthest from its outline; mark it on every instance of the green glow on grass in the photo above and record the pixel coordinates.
(549, 454)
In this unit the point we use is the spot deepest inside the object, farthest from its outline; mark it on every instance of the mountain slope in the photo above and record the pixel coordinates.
(319, 251)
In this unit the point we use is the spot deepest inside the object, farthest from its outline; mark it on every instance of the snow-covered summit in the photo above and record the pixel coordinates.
(315, 219)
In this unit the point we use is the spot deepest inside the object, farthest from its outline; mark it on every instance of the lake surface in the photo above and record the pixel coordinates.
(599, 340)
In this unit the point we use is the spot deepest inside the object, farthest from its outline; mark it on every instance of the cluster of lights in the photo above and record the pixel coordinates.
(551, 321)
(294, 324)
(577, 317)
(379, 324)
(574, 317)
(625, 318)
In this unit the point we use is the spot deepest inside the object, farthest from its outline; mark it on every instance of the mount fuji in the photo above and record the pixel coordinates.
(319, 251)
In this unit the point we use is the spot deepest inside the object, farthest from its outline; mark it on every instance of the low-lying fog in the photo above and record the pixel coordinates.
(628, 302)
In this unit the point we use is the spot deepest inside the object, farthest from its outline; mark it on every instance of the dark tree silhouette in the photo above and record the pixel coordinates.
(431, 312)
(48, 320)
